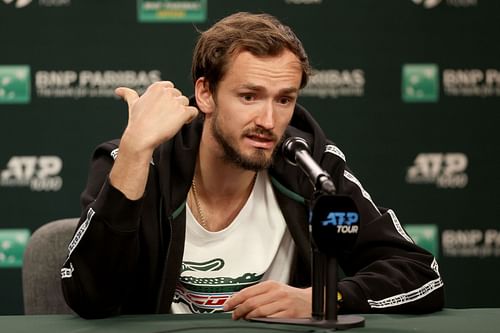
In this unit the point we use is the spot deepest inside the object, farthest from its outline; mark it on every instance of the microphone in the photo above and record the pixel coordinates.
(296, 152)
(335, 223)
(334, 227)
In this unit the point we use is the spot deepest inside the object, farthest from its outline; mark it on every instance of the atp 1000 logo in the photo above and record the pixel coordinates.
(39, 173)
(44, 3)
(445, 170)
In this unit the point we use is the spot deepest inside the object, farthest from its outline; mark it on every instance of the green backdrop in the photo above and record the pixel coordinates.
(408, 89)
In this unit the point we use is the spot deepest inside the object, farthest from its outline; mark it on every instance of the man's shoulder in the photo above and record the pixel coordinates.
(107, 145)
(304, 125)
(110, 148)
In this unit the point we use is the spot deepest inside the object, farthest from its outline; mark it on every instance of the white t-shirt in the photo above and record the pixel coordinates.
(256, 246)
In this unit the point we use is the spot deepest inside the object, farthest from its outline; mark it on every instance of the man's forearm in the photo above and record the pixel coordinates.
(130, 171)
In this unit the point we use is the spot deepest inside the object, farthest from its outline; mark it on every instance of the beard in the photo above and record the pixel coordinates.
(255, 161)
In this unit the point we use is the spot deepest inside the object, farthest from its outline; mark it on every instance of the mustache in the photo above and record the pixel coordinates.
(260, 131)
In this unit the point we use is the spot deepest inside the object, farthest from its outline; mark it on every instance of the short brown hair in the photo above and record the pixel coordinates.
(259, 34)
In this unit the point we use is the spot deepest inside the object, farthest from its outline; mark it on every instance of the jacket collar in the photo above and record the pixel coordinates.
(177, 158)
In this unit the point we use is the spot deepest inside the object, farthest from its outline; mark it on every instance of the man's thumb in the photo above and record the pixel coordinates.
(129, 95)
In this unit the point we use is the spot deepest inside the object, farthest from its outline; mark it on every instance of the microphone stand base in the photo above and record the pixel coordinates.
(343, 322)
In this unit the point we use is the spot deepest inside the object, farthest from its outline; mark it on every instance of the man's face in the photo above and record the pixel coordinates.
(253, 105)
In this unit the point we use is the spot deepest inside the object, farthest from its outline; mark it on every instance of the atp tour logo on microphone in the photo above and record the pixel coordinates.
(445, 170)
(335, 223)
(346, 222)
(39, 173)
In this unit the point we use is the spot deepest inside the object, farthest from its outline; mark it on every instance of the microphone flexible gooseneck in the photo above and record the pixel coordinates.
(296, 152)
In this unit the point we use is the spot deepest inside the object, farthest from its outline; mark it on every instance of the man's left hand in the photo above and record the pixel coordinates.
(271, 299)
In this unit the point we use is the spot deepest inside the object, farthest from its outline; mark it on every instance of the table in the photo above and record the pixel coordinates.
(448, 320)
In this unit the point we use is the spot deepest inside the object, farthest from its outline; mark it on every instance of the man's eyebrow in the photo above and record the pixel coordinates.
(251, 86)
(291, 90)
(254, 87)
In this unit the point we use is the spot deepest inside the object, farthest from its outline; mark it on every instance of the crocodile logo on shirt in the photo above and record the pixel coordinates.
(208, 294)
(207, 266)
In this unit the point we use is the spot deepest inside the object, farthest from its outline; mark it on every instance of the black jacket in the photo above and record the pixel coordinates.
(125, 257)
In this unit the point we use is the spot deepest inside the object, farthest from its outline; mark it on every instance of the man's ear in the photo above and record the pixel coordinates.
(203, 95)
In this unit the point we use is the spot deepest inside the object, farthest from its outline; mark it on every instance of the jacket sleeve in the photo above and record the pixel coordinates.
(104, 249)
(385, 271)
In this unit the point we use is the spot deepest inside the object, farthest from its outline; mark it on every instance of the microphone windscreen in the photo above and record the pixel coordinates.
(335, 223)
(291, 146)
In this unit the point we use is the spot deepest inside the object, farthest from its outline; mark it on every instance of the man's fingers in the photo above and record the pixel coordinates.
(193, 113)
(164, 84)
(256, 306)
(271, 310)
(129, 95)
(183, 100)
(270, 299)
(245, 294)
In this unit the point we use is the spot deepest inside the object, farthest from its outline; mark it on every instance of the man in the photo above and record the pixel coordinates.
(195, 212)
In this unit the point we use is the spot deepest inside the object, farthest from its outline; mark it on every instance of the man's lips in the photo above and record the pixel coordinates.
(261, 141)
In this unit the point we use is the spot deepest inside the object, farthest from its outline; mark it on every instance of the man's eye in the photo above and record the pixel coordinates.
(285, 100)
(247, 97)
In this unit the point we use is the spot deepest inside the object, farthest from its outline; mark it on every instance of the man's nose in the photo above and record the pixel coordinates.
(265, 118)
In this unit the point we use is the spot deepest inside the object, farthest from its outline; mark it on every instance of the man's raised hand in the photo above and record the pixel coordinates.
(156, 116)
(153, 118)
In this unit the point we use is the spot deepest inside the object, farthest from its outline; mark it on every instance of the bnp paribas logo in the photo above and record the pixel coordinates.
(18, 3)
(427, 3)
(15, 84)
(12, 245)
(162, 11)
(420, 83)
(425, 235)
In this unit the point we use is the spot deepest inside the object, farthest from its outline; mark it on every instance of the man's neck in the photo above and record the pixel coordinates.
(222, 189)
(220, 179)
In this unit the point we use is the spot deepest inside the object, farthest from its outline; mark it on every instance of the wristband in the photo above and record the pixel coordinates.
(340, 299)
